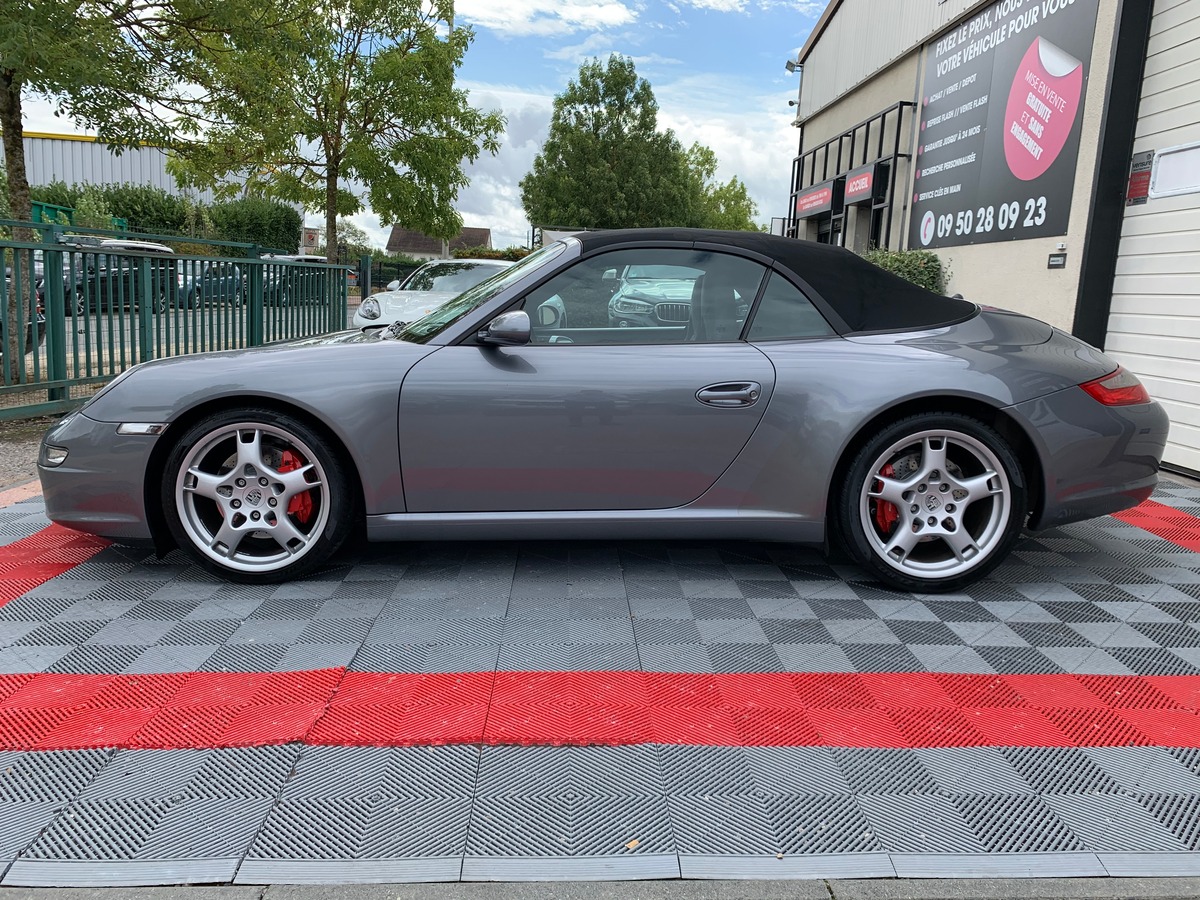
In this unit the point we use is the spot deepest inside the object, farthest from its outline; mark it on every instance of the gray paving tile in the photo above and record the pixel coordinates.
(170, 658)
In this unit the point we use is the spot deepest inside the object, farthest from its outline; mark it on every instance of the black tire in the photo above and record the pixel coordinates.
(227, 494)
(960, 502)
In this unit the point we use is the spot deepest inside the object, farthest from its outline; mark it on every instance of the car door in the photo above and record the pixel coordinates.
(220, 282)
(231, 283)
(588, 416)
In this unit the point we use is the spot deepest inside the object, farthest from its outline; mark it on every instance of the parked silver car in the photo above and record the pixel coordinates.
(424, 290)
(842, 406)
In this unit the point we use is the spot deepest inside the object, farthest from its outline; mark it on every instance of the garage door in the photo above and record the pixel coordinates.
(1154, 326)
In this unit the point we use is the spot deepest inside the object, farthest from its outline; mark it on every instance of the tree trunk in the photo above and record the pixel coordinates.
(19, 205)
(331, 241)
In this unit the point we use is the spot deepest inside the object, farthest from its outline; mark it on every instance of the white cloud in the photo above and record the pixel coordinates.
(524, 18)
(38, 115)
(597, 44)
(493, 199)
(810, 8)
(750, 133)
(718, 5)
(601, 46)
(752, 138)
(653, 59)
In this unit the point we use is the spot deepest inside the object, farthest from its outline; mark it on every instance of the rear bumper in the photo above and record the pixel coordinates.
(100, 488)
(1096, 459)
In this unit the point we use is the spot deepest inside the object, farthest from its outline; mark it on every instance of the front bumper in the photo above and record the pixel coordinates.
(100, 487)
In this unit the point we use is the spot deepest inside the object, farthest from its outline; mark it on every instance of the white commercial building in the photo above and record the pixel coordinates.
(79, 159)
(1047, 150)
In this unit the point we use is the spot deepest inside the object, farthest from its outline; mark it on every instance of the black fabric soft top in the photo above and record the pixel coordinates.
(866, 297)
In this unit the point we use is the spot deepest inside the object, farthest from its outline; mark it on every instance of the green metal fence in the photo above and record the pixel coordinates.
(90, 304)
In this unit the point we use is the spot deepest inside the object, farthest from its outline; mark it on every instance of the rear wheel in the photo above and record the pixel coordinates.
(257, 496)
(932, 503)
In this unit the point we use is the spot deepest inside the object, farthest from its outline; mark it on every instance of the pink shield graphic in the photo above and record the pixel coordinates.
(1042, 107)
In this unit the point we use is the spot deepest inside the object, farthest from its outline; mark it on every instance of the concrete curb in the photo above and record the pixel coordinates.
(883, 889)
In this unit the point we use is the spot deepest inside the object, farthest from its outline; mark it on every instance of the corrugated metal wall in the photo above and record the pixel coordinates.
(91, 162)
(866, 36)
(1154, 325)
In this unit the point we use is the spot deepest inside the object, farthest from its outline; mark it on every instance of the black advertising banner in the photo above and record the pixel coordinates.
(820, 198)
(865, 184)
(1000, 122)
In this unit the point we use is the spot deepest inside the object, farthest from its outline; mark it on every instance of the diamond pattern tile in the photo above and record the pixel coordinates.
(438, 712)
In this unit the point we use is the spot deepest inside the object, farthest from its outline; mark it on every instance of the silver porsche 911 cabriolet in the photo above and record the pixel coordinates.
(800, 394)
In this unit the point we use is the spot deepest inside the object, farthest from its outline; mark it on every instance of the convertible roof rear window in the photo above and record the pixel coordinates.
(866, 297)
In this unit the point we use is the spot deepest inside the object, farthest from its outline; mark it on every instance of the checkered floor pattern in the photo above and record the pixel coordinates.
(436, 712)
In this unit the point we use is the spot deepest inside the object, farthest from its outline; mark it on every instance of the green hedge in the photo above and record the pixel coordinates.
(258, 221)
(512, 254)
(152, 210)
(921, 267)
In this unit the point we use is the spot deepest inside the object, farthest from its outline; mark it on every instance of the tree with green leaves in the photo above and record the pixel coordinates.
(604, 163)
(48, 48)
(726, 205)
(126, 68)
(92, 209)
(354, 97)
(352, 242)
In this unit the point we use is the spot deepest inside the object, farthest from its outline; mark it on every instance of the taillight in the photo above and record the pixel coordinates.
(1119, 388)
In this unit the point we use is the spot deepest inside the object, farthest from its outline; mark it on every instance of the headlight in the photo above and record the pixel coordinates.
(369, 308)
(53, 457)
(633, 306)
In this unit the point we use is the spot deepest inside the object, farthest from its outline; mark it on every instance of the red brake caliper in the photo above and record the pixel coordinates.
(886, 514)
(300, 506)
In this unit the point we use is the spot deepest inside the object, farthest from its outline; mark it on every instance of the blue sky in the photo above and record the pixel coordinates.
(716, 67)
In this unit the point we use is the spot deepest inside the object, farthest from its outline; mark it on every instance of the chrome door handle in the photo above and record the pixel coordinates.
(731, 394)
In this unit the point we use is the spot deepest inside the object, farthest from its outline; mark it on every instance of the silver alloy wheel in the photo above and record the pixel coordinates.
(233, 492)
(942, 509)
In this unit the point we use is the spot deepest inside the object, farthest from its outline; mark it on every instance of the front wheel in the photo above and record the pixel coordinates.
(257, 496)
(932, 503)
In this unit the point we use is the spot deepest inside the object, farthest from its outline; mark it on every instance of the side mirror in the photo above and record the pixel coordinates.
(610, 274)
(510, 329)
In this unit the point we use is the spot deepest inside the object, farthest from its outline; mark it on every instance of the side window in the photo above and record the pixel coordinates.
(646, 296)
(785, 314)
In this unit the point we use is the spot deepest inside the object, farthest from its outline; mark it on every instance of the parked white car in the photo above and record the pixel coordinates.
(425, 290)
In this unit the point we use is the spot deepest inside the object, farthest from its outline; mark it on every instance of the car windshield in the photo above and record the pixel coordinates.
(449, 277)
(428, 327)
(663, 273)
